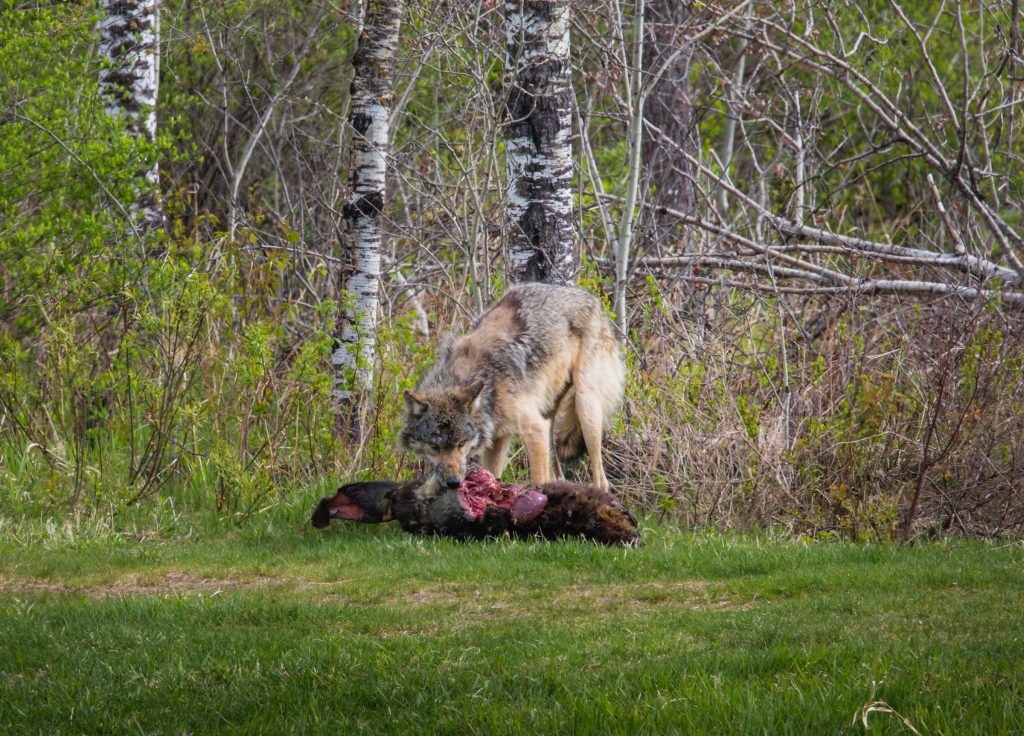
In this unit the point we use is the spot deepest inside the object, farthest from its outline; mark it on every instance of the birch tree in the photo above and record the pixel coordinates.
(538, 152)
(129, 83)
(371, 94)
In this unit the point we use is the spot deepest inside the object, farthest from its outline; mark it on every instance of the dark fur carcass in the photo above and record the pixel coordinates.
(483, 507)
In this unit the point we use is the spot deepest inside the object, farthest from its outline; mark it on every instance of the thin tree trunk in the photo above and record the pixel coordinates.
(371, 93)
(729, 142)
(537, 142)
(669, 108)
(636, 98)
(669, 114)
(129, 83)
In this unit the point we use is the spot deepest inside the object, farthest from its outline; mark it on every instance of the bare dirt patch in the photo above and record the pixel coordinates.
(480, 603)
(430, 596)
(170, 583)
(692, 594)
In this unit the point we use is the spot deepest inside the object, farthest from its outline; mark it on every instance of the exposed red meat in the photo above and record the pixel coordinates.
(481, 491)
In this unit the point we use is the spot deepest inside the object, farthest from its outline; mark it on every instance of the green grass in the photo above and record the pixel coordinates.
(273, 628)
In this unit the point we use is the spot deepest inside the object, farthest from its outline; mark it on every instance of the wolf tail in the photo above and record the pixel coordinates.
(604, 372)
(566, 431)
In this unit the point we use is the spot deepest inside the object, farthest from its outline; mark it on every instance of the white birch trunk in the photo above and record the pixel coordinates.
(538, 148)
(371, 94)
(129, 82)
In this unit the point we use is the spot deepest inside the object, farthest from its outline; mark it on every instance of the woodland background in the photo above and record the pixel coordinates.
(823, 273)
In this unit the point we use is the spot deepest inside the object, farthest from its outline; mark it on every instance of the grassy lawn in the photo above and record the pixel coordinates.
(365, 630)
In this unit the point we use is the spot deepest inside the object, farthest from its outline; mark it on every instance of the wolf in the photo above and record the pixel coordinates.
(543, 364)
(483, 507)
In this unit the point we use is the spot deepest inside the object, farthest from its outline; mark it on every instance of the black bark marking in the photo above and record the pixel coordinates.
(543, 232)
(368, 205)
(361, 123)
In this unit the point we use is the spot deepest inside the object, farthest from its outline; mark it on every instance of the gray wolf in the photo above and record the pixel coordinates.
(483, 507)
(543, 364)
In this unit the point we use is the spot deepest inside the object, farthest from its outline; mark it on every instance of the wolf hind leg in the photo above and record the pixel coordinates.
(567, 435)
(599, 378)
(588, 409)
(556, 465)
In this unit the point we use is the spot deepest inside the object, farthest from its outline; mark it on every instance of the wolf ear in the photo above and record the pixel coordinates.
(445, 346)
(416, 404)
(472, 395)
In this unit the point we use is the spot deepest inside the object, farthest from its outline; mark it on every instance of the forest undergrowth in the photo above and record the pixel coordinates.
(188, 372)
(218, 397)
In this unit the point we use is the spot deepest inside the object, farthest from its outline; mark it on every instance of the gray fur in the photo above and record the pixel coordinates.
(525, 354)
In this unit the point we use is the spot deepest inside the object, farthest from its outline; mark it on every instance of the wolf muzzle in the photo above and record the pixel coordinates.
(450, 480)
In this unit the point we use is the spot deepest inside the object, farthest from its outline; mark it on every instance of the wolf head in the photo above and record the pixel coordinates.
(446, 426)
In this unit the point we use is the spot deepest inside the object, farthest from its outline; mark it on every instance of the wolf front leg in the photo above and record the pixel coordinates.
(537, 438)
(495, 457)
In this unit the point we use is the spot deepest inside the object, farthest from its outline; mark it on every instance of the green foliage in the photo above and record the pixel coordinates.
(67, 170)
(403, 357)
(123, 377)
